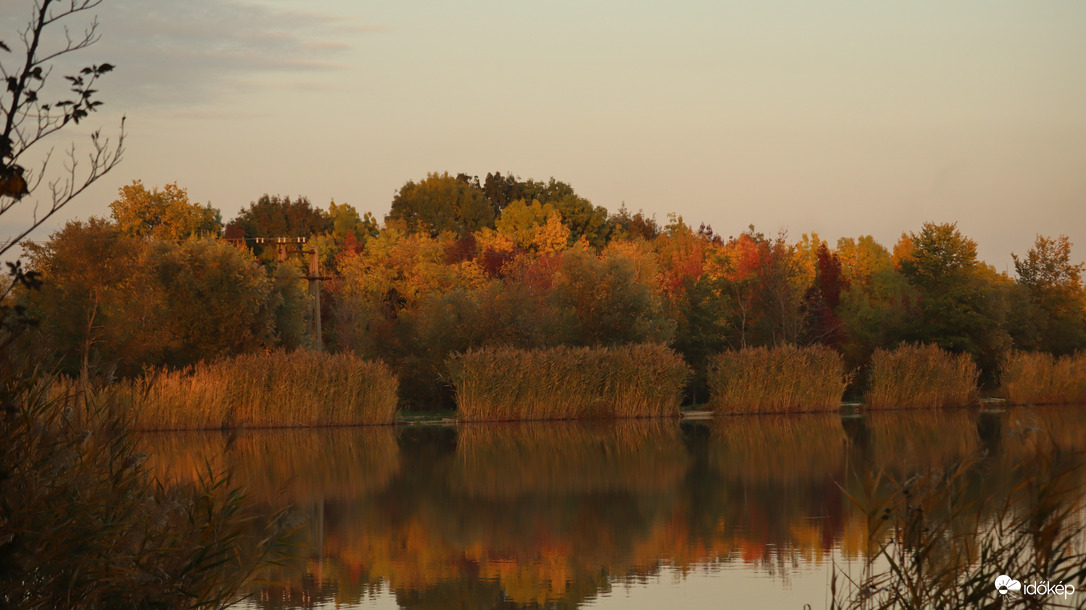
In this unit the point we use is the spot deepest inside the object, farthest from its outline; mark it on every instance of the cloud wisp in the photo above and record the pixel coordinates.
(192, 53)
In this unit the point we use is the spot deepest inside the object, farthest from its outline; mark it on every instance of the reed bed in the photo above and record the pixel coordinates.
(920, 376)
(276, 389)
(1042, 379)
(505, 384)
(784, 379)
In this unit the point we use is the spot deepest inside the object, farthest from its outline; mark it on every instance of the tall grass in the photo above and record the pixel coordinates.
(1038, 378)
(84, 524)
(502, 384)
(921, 376)
(276, 389)
(777, 380)
(929, 547)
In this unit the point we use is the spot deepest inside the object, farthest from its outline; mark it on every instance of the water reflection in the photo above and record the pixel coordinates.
(556, 514)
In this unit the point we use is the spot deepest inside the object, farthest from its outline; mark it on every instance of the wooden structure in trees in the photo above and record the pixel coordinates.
(284, 247)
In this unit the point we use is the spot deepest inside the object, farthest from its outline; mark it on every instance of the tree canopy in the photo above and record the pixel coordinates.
(442, 203)
(276, 216)
(163, 213)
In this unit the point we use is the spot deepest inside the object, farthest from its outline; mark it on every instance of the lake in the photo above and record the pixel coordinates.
(742, 511)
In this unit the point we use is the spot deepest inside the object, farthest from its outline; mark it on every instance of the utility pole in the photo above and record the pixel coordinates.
(314, 277)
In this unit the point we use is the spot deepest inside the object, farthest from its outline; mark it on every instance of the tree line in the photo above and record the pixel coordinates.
(461, 262)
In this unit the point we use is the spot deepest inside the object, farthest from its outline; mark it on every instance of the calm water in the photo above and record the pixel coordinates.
(740, 511)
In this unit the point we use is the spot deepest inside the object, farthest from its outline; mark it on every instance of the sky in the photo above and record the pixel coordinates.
(839, 117)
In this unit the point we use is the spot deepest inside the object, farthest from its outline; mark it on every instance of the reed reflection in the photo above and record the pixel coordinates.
(300, 465)
(555, 513)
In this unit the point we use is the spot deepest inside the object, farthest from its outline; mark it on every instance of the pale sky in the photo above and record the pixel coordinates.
(839, 117)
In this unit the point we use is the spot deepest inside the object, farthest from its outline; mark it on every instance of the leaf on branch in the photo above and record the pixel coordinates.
(13, 84)
(12, 183)
(4, 46)
(36, 73)
(102, 69)
(86, 71)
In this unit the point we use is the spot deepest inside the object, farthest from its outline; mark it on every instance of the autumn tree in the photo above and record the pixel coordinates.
(625, 225)
(214, 300)
(606, 302)
(442, 203)
(579, 214)
(823, 298)
(534, 227)
(1054, 316)
(861, 258)
(877, 302)
(90, 310)
(116, 303)
(276, 216)
(348, 224)
(347, 231)
(961, 308)
(765, 282)
(163, 213)
(694, 299)
(502, 190)
(387, 305)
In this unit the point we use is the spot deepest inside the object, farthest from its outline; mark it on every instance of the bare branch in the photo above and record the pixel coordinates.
(27, 119)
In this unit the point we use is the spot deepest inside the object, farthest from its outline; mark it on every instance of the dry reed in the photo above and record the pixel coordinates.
(782, 379)
(503, 384)
(276, 389)
(921, 376)
(1043, 379)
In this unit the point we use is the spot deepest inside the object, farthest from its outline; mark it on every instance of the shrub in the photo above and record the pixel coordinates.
(777, 380)
(642, 380)
(276, 389)
(1038, 378)
(921, 376)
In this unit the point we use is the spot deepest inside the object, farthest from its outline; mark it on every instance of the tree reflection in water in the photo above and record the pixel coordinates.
(556, 513)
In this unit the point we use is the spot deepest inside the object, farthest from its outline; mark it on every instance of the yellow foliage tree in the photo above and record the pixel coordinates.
(163, 214)
(536, 227)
